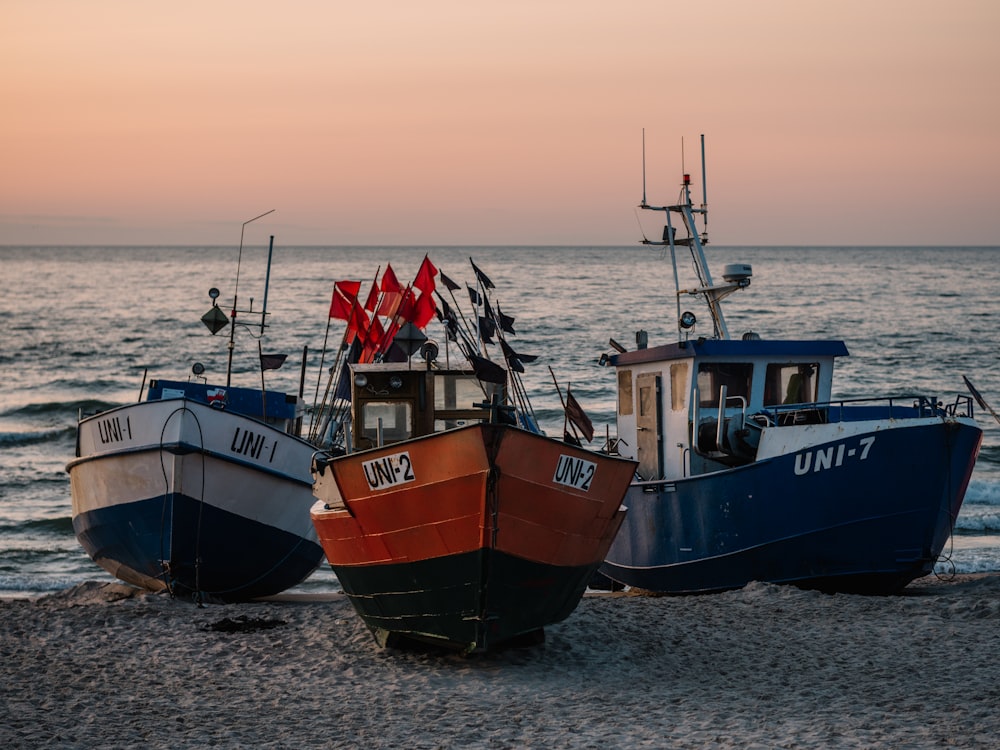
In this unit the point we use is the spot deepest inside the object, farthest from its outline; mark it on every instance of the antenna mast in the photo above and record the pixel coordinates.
(704, 192)
(734, 277)
(643, 167)
(236, 293)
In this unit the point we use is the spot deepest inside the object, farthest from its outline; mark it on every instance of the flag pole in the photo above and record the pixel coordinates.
(319, 374)
(315, 417)
(561, 399)
(461, 312)
(263, 391)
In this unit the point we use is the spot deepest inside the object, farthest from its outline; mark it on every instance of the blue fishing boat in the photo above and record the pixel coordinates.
(201, 489)
(750, 470)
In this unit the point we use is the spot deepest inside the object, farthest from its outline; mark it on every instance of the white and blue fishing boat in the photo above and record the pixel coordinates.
(202, 490)
(750, 470)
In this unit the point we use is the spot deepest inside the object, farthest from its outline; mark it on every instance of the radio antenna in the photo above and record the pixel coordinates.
(239, 258)
(704, 182)
(643, 167)
(236, 296)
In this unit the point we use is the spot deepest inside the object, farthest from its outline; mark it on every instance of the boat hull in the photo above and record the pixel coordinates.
(822, 517)
(181, 496)
(491, 533)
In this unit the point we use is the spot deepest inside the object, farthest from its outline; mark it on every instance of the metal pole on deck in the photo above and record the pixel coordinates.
(704, 184)
(267, 283)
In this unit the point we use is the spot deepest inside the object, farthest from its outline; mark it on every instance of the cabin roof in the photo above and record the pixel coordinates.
(245, 401)
(737, 348)
(370, 367)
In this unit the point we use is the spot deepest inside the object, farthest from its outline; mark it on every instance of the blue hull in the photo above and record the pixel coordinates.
(868, 526)
(220, 554)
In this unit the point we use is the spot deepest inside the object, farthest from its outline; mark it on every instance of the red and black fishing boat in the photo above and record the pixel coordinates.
(447, 516)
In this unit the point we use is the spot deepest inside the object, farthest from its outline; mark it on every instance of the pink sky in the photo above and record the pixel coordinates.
(460, 122)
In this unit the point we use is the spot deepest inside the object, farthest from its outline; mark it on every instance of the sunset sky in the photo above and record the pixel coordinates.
(467, 123)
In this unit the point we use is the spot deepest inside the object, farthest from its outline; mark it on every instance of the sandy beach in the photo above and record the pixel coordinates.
(102, 665)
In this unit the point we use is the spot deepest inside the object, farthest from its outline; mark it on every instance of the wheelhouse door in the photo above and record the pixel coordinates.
(648, 420)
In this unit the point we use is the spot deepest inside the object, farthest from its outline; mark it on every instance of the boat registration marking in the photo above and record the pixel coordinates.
(389, 471)
(253, 445)
(114, 429)
(574, 472)
(832, 456)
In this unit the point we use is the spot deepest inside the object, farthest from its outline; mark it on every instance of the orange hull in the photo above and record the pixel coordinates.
(459, 500)
(480, 509)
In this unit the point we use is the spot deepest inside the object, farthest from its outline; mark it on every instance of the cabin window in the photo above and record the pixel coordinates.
(440, 425)
(624, 392)
(794, 383)
(396, 416)
(647, 401)
(712, 376)
(678, 385)
(457, 392)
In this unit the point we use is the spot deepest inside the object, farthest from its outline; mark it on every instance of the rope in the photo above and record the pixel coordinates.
(945, 557)
(164, 562)
(199, 594)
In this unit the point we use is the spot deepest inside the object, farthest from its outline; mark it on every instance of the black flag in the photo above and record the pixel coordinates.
(514, 359)
(446, 281)
(487, 329)
(506, 322)
(979, 398)
(577, 416)
(272, 361)
(447, 316)
(483, 278)
(487, 370)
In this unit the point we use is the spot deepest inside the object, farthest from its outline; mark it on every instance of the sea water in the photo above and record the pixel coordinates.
(83, 328)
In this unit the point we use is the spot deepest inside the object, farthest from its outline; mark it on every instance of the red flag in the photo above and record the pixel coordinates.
(392, 293)
(373, 340)
(372, 302)
(425, 276)
(358, 324)
(406, 308)
(423, 310)
(387, 337)
(344, 294)
(375, 331)
(389, 281)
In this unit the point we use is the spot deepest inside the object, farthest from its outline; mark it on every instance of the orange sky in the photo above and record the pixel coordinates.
(460, 122)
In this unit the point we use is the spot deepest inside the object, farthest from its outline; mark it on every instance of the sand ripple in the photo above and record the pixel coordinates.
(102, 665)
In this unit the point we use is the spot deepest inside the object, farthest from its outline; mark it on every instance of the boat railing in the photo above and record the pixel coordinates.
(905, 406)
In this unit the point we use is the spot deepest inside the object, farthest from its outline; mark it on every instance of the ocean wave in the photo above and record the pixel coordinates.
(982, 492)
(60, 526)
(33, 437)
(985, 561)
(87, 406)
(33, 585)
(977, 523)
(978, 526)
(990, 453)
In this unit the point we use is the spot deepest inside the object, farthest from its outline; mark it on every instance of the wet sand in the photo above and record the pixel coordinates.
(103, 665)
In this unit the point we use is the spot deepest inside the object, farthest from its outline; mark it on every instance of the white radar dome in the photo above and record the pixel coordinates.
(735, 272)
